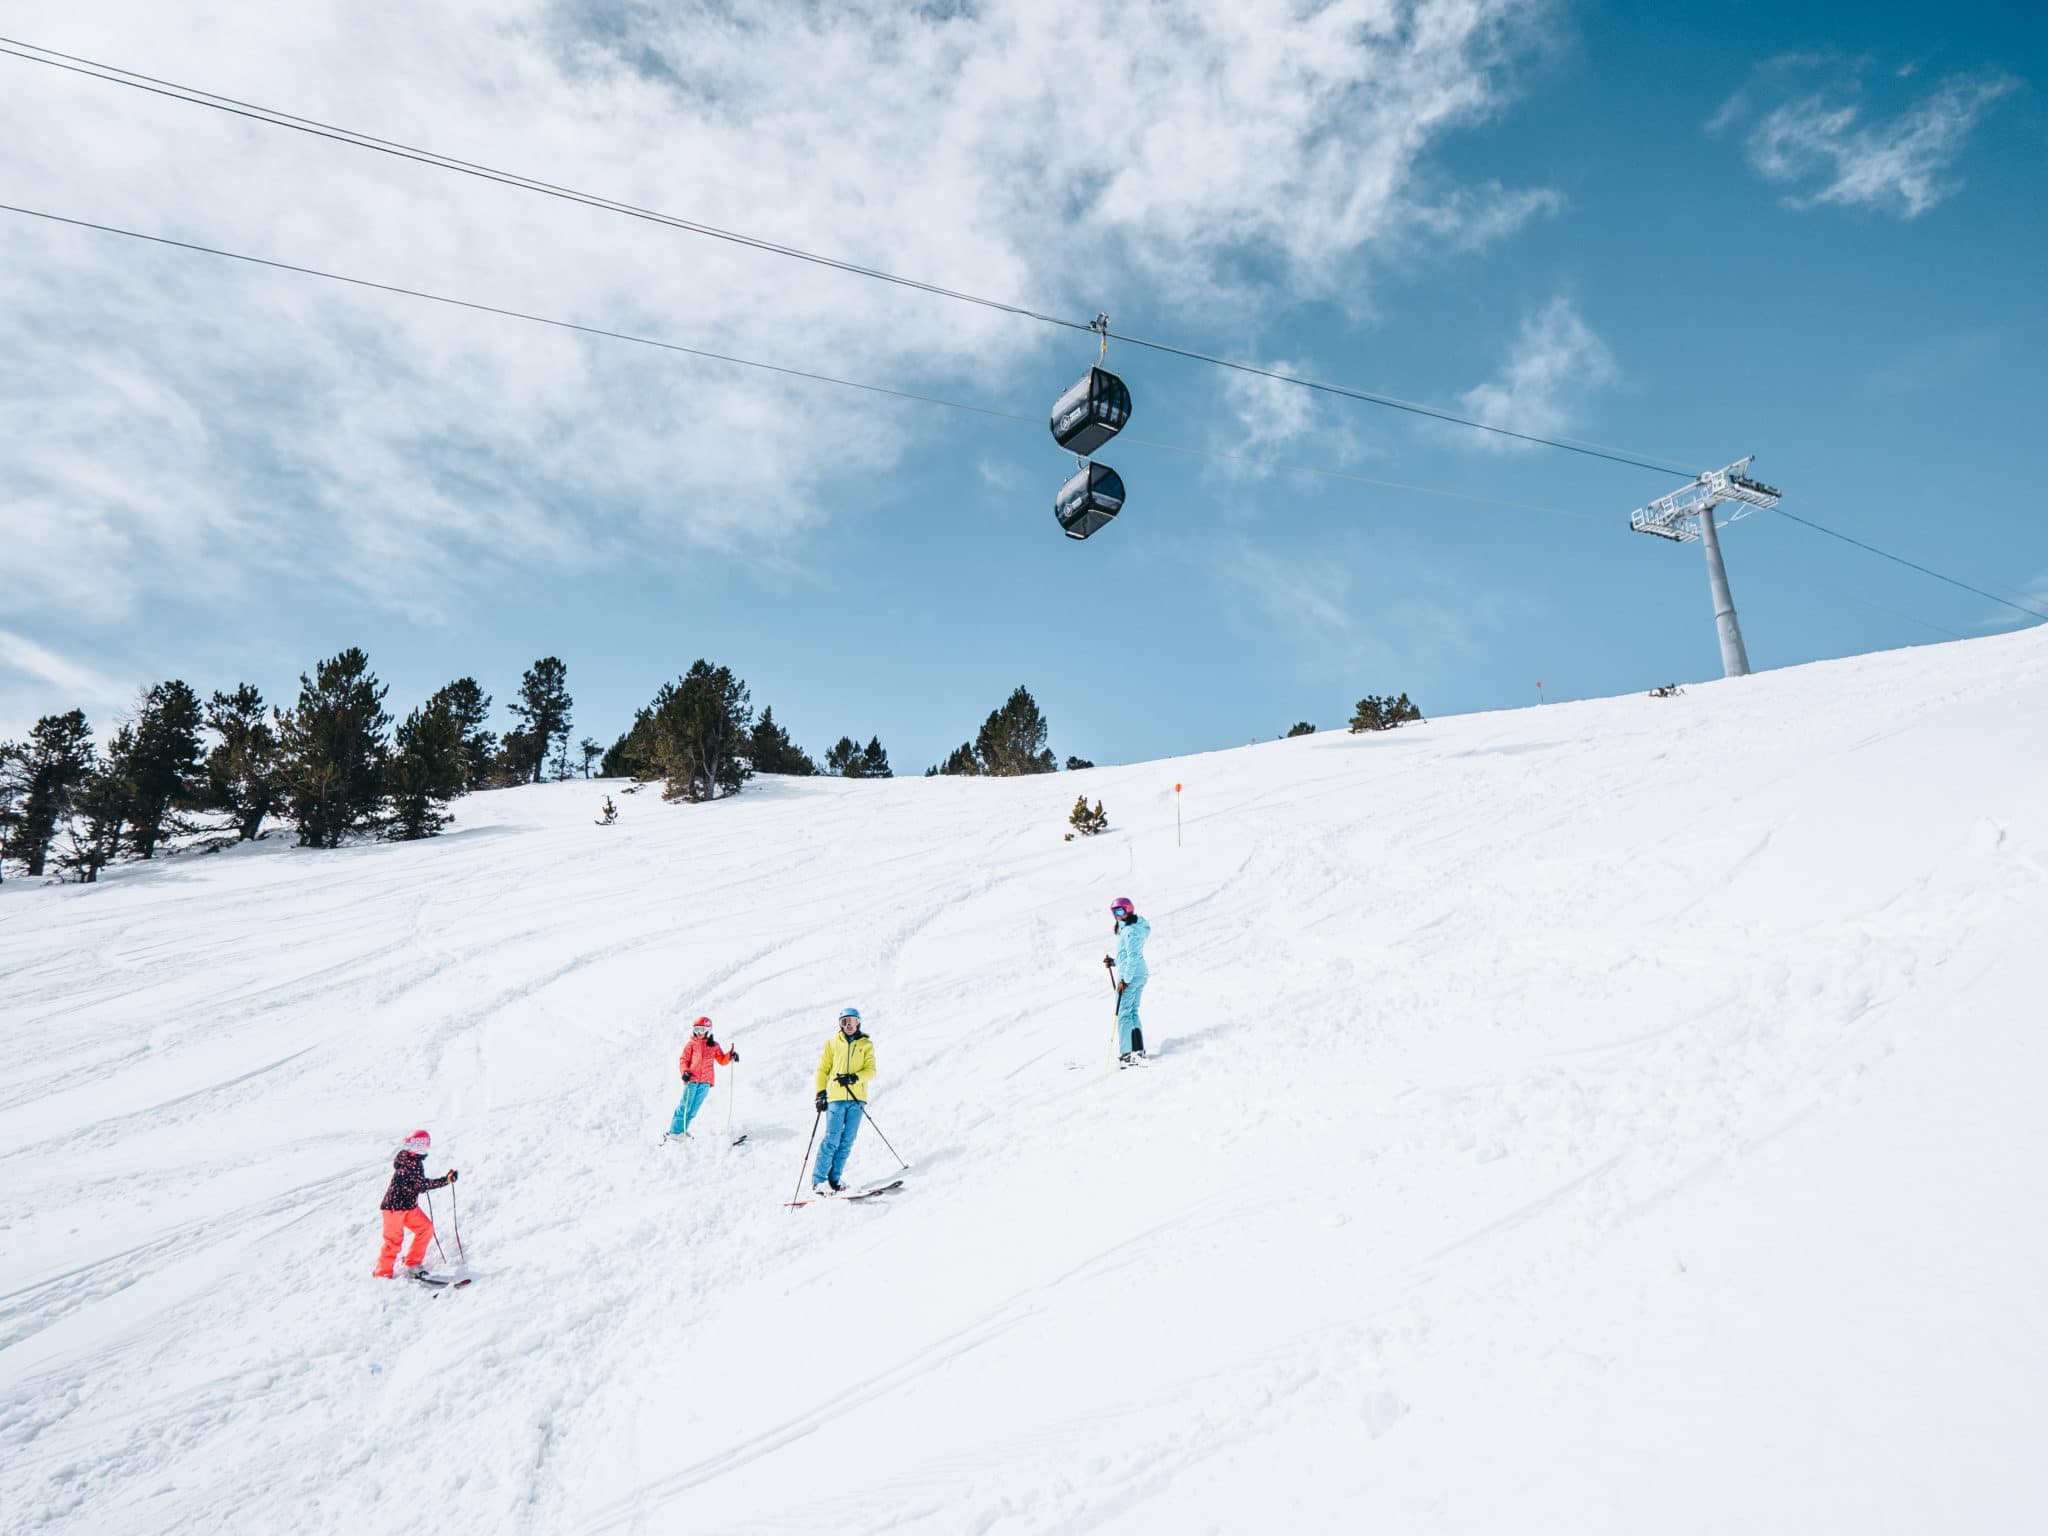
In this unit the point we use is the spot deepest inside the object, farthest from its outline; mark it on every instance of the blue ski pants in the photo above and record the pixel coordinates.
(842, 1124)
(1127, 1016)
(694, 1095)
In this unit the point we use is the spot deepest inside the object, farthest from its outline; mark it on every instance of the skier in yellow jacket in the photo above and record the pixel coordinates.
(844, 1072)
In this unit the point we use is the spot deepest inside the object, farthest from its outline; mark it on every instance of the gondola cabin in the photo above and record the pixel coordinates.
(1090, 501)
(1092, 412)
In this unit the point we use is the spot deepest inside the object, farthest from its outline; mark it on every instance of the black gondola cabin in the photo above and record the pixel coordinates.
(1090, 501)
(1090, 413)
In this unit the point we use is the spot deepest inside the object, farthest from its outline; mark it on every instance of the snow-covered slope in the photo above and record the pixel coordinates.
(1612, 1117)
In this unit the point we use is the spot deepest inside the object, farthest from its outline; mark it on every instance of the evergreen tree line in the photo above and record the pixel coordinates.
(1375, 712)
(700, 737)
(331, 765)
(1011, 742)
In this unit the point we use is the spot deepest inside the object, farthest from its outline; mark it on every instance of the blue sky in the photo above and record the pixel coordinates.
(1813, 233)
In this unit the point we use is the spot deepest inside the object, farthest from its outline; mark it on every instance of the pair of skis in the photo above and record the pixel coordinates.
(853, 1194)
(669, 1136)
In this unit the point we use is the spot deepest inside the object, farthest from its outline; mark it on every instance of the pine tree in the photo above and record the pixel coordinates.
(961, 762)
(51, 769)
(771, 750)
(543, 708)
(470, 707)
(514, 761)
(162, 764)
(103, 808)
(1300, 728)
(1012, 740)
(242, 768)
(1074, 763)
(12, 786)
(1086, 822)
(589, 751)
(625, 758)
(695, 734)
(426, 772)
(844, 760)
(610, 813)
(1375, 713)
(875, 761)
(333, 750)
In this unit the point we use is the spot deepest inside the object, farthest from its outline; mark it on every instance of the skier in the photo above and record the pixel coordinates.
(1127, 968)
(844, 1071)
(401, 1207)
(700, 1061)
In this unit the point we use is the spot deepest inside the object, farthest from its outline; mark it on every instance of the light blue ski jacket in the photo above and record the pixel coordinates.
(1130, 951)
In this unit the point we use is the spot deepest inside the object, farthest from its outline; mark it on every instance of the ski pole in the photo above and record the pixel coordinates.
(868, 1115)
(455, 1226)
(436, 1229)
(731, 1093)
(1116, 1008)
(798, 1193)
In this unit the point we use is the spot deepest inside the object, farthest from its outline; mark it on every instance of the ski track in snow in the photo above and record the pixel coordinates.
(1613, 1117)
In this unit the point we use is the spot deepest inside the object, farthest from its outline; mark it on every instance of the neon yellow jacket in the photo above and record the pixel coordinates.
(856, 1055)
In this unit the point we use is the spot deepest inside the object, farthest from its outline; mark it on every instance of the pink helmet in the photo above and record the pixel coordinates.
(418, 1141)
(1122, 906)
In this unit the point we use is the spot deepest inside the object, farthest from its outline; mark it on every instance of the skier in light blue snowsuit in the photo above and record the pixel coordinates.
(1131, 975)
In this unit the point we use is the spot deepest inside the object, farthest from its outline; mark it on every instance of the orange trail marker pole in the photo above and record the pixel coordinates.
(1176, 815)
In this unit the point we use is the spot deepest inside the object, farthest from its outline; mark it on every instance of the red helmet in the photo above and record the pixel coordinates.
(701, 1027)
(418, 1141)
(1122, 907)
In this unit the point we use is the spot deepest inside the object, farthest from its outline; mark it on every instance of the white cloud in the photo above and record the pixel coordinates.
(35, 680)
(1900, 165)
(1264, 416)
(174, 424)
(1557, 363)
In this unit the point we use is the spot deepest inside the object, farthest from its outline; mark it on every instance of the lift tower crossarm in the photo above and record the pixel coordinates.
(1677, 516)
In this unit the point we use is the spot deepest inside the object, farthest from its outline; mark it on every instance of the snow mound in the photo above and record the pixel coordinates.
(1613, 1117)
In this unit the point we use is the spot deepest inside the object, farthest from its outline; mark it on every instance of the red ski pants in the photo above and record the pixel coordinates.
(396, 1225)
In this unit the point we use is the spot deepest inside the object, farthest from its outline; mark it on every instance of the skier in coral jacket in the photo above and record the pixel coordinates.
(701, 1059)
(401, 1207)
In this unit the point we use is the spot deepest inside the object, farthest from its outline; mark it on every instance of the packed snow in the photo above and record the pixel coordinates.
(1611, 1117)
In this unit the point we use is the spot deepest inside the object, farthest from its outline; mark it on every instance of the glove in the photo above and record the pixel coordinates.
(846, 1079)
(1120, 987)
(1109, 962)
(687, 1079)
(734, 1053)
(451, 1175)
(821, 1101)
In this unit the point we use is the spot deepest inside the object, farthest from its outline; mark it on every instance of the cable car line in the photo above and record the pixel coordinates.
(1570, 445)
(515, 314)
(902, 394)
(1911, 565)
(897, 394)
(113, 74)
(725, 357)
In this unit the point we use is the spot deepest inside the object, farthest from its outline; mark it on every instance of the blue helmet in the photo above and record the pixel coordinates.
(849, 1013)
